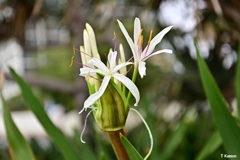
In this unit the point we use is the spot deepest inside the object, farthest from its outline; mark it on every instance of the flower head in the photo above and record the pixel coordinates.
(107, 84)
(141, 55)
(96, 66)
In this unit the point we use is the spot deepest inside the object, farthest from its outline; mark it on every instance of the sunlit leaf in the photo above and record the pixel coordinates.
(224, 121)
(18, 146)
(132, 152)
(58, 138)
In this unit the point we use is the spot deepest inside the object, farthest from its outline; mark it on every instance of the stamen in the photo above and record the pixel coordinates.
(139, 36)
(140, 42)
(74, 53)
(83, 53)
(149, 132)
(94, 77)
(82, 64)
(149, 40)
(130, 59)
(150, 37)
(129, 70)
(85, 123)
(115, 41)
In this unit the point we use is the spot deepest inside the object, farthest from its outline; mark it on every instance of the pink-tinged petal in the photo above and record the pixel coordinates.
(121, 65)
(133, 46)
(130, 85)
(157, 39)
(94, 97)
(137, 29)
(112, 59)
(99, 64)
(158, 52)
(142, 68)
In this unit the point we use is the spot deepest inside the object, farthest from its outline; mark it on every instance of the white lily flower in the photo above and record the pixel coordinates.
(97, 66)
(139, 55)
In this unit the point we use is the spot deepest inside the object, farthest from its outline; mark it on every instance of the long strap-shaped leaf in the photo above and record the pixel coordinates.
(132, 152)
(34, 105)
(18, 146)
(225, 123)
(213, 143)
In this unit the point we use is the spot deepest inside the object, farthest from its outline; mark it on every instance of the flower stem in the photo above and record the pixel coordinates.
(117, 145)
(134, 77)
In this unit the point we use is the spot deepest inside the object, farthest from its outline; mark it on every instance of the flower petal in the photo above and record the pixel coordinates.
(130, 85)
(112, 59)
(157, 39)
(86, 71)
(133, 46)
(99, 64)
(137, 29)
(94, 97)
(158, 52)
(118, 67)
(142, 68)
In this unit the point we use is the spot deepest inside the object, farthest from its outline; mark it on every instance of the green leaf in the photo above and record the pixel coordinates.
(225, 123)
(174, 140)
(132, 152)
(238, 81)
(18, 146)
(58, 138)
(212, 144)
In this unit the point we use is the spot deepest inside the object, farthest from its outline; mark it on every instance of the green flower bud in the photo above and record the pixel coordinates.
(112, 109)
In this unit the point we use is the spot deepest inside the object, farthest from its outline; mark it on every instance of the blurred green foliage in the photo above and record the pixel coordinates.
(158, 89)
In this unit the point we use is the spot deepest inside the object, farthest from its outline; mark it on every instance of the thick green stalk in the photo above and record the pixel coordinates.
(117, 145)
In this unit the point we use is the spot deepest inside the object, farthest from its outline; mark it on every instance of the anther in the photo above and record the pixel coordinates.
(74, 53)
(150, 37)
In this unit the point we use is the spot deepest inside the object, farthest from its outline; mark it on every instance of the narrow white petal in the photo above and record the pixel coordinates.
(121, 65)
(142, 68)
(137, 29)
(89, 71)
(130, 85)
(85, 71)
(94, 97)
(123, 29)
(157, 39)
(158, 52)
(130, 41)
(112, 59)
(99, 64)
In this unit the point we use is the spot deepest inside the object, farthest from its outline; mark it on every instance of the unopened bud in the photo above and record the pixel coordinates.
(112, 110)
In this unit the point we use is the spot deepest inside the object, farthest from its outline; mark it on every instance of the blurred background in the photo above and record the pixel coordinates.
(37, 40)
